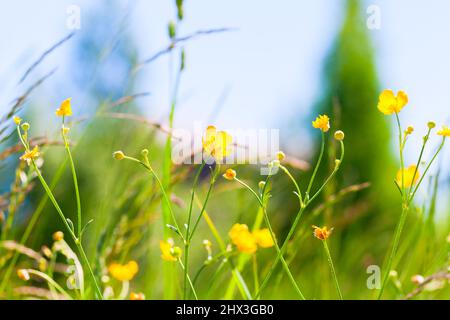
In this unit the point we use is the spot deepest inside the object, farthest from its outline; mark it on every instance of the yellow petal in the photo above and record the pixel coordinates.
(402, 100)
(387, 103)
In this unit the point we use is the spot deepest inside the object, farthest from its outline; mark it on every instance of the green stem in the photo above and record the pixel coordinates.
(75, 183)
(189, 280)
(269, 225)
(402, 163)
(398, 232)
(425, 140)
(333, 271)
(427, 168)
(319, 161)
(187, 237)
(50, 281)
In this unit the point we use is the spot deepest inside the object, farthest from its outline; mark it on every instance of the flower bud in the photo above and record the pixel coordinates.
(339, 135)
(409, 130)
(280, 155)
(431, 124)
(23, 274)
(58, 236)
(137, 296)
(176, 252)
(417, 279)
(25, 126)
(261, 185)
(144, 152)
(118, 155)
(172, 30)
(229, 174)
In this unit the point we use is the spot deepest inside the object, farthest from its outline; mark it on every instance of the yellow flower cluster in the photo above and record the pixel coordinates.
(445, 131)
(248, 242)
(124, 272)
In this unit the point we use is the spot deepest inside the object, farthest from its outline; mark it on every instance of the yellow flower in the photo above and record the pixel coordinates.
(168, 251)
(123, 272)
(243, 238)
(408, 175)
(322, 122)
(263, 238)
(137, 296)
(230, 174)
(388, 103)
(445, 131)
(17, 120)
(322, 233)
(23, 274)
(216, 143)
(28, 156)
(58, 236)
(65, 110)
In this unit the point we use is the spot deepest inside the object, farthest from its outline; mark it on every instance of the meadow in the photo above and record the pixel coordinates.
(97, 206)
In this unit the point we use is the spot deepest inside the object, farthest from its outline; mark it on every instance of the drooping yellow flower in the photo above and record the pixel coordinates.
(322, 233)
(263, 238)
(28, 156)
(445, 131)
(65, 110)
(216, 143)
(124, 272)
(168, 251)
(137, 296)
(243, 239)
(388, 103)
(322, 122)
(410, 178)
(229, 174)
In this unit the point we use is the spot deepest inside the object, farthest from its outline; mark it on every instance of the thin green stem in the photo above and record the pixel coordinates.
(189, 280)
(187, 237)
(319, 161)
(402, 163)
(75, 183)
(269, 225)
(255, 272)
(427, 168)
(333, 271)
(425, 140)
(50, 281)
(398, 232)
(299, 192)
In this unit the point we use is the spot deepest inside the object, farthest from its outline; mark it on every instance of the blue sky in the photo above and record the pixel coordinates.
(270, 67)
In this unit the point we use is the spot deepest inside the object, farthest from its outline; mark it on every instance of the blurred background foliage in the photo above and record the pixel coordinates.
(125, 202)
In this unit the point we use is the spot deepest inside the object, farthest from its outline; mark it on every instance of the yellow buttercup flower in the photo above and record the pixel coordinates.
(243, 239)
(124, 272)
(322, 122)
(322, 233)
(137, 296)
(216, 143)
(28, 156)
(445, 131)
(410, 178)
(168, 251)
(229, 174)
(388, 103)
(65, 110)
(263, 238)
